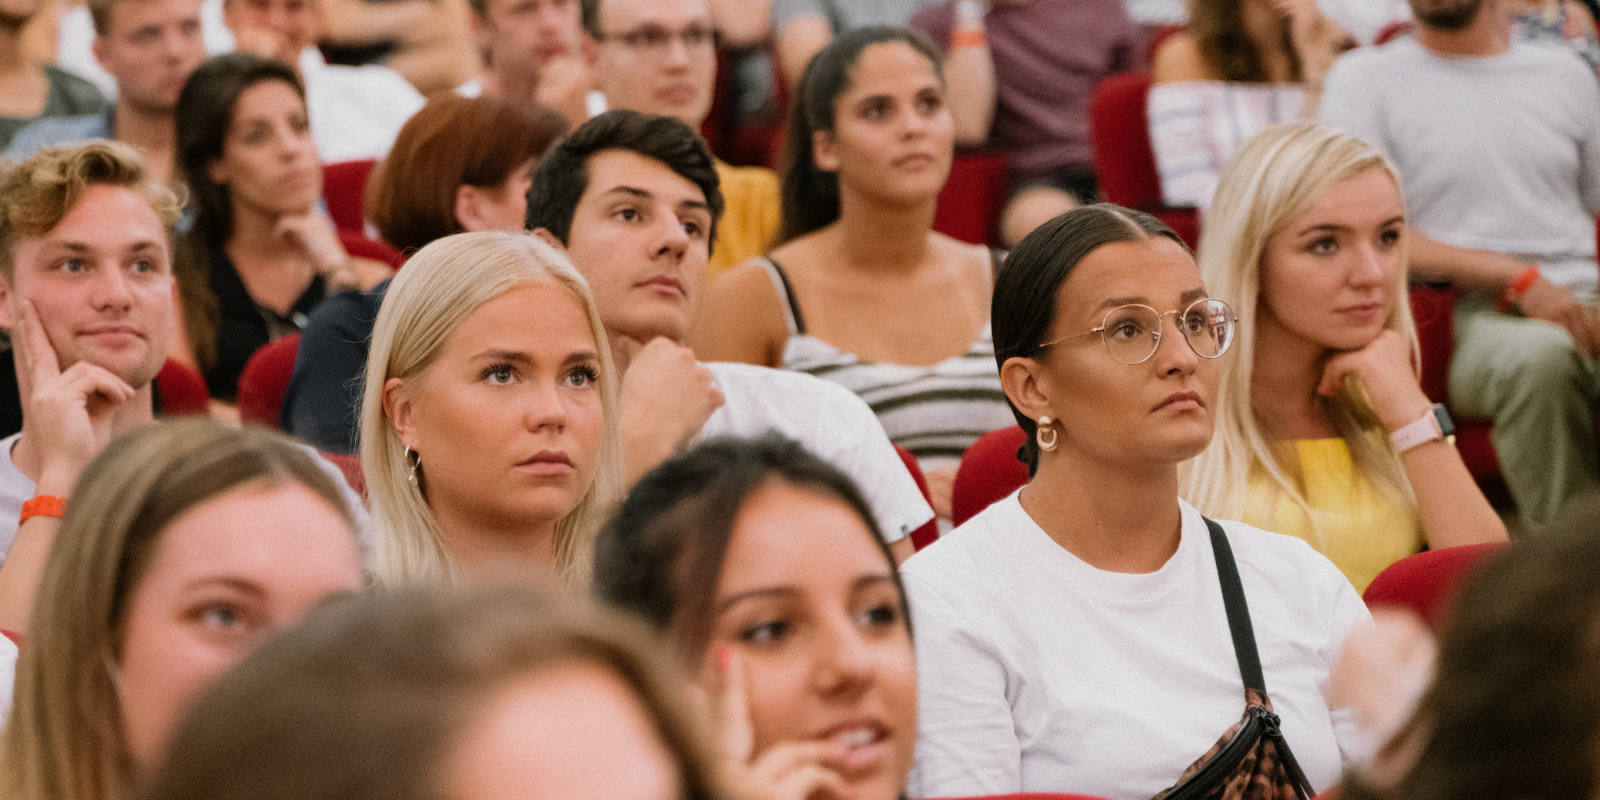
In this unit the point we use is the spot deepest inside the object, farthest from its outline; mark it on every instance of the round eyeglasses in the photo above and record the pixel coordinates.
(1132, 333)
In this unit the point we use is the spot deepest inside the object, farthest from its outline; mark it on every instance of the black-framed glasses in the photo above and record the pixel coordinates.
(1132, 333)
(654, 40)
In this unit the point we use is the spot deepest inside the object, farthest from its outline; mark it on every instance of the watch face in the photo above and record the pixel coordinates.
(1447, 426)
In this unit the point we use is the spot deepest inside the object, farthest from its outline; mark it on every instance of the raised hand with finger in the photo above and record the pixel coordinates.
(791, 770)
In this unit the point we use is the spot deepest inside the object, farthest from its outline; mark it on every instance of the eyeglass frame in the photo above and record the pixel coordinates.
(655, 40)
(1155, 346)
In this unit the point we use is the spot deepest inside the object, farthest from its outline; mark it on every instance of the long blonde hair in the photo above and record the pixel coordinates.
(427, 300)
(1274, 178)
(64, 740)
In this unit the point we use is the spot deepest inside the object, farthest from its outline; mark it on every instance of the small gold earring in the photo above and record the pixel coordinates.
(1047, 445)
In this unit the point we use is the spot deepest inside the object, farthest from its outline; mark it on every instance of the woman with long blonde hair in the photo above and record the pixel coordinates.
(488, 418)
(1322, 429)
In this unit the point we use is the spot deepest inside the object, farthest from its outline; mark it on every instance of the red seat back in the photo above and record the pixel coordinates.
(1124, 163)
(928, 533)
(183, 391)
(351, 467)
(1426, 582)
(343, 185)
(265, 380)
(970, 202)
(989, 471)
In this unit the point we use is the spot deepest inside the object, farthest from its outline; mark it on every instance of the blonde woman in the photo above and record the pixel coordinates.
(488, 414)
(186, 544)
(1322, 430)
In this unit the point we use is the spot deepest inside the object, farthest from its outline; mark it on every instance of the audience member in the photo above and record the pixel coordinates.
(86, 292)
(1322, 429)
(1239, 67)
(28, 90)
(1498, 147)
(871, 147)
(74, 34)
(759, 563)
(535, 54)
(261, 253)
(355, 111)
(488, 693)
(186, 543)
(149, 47)
(488, 414)
(459, 165)
(1021, 73)
(429, 43)
(1080, 620)
(634, 199)
(804, 27)
(1515, 682)
(640, 66)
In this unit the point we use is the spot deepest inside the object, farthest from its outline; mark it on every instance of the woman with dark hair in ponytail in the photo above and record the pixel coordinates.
(861, 290)
(1093, 615)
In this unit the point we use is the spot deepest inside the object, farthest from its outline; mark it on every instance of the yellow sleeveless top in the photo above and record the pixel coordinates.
(1359, 527)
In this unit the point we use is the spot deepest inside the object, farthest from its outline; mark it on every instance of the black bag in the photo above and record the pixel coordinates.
(1252, 760)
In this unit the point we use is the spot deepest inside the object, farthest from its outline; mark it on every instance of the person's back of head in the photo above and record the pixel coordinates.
(398, 696)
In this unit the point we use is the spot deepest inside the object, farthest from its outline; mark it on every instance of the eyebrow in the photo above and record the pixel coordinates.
(141, 246)
(1112, 302)
(634, 191)
(521, 357)
(237, 584)
(856, 585)
(1331, 227)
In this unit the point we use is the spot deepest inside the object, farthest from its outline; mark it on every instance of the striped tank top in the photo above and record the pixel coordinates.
(935, 411)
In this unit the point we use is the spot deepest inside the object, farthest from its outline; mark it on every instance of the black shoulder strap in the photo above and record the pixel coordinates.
(788, 296)
(1244, 636)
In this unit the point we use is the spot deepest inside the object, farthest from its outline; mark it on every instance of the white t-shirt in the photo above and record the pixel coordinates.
(16, 488)
(833, 424)
(1040, 673)
(355, 112)
(1496, 152)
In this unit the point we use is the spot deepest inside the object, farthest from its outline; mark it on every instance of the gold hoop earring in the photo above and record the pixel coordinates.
(1047, 445)
(415, 461)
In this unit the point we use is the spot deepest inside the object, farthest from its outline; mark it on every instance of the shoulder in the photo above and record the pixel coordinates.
(1179, 59)
(1286, 567)
(345, 313)
(1555, 57)
(956, 559)
(79, 93)
(1388, 55)
(52, 131)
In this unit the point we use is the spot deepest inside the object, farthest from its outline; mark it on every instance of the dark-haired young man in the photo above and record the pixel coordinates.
(635, 201)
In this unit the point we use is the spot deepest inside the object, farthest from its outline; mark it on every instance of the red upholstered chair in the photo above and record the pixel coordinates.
(351, 467)
(1425, 582)
(183, 391)
(970, 202)
(1432, 306)
(928, 533)
(343, 184)
(1124, 163)
(265, 379)
(357, 244)
(989, 471)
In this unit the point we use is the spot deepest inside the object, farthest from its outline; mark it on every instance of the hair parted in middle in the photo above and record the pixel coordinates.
(439, 288)
(1274, 178)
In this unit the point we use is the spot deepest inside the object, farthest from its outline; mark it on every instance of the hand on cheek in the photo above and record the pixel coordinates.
(1390, 383)
(793, 770)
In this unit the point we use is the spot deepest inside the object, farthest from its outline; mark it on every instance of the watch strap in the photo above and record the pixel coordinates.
(1432, 426)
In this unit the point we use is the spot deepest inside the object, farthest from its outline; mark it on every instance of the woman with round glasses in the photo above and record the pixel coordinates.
(1083, 619)
(1322, 429)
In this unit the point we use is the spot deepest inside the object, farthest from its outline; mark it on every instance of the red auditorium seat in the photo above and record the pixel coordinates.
(351, 467)
(928, 533)
(343, 184)
(357, 244)
(1425, 582)
(265, 379)
(183, 391)
(970, 202)
(1433, 306)
(989, 471)
(1124, 164)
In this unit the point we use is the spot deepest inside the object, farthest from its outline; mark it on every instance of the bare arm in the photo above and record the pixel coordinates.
(742, 23)
(741, 319)
(969, 74)
(358, 22)
(798, 40)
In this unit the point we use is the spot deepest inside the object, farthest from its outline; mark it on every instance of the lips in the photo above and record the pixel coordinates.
(913, 161)
(111, 330)
(665, 284)
(1181, 401)
(547, 462)
(866, 745)
(678, 94)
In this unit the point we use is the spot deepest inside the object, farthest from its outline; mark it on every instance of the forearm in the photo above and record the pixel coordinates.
(799, 40)
(1451, 507)
(357, 22)
(22, 571)
(969, 74)
(1464, 267)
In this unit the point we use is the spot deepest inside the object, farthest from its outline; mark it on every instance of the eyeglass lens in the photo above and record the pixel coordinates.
(1133, 332)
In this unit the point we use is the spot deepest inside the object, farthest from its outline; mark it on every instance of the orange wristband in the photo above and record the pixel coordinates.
(1518, 287)
(44, 505)
(968, 37)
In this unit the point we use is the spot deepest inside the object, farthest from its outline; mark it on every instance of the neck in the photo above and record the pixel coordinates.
(1487, 35)
(252, 235)
(151, 131)
(1283, 382)
(884, 238)
(29, 455)
(12, 57)
(515, 89)
(482, 546)
(1115, 517)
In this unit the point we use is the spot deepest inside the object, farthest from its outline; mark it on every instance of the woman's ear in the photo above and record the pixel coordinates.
(1025, 387)
(468, 207)
(824, 151)
(398, 409)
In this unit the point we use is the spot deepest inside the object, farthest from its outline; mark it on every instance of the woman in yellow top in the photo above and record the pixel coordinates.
(1323, 431)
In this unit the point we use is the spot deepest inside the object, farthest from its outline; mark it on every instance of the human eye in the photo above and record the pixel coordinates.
(697, 35)
(142, 266)
(1323, 246)
(1389, 237)
(583, 376)
(929, 102)
(881, 615)
(766, 632)
(695, 228)
(626, 214)
(1125, 326)
(875, 108)
(498, 374)
(648, 38)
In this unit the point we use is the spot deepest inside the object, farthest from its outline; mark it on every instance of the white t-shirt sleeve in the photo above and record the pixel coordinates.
(1346, 102)
(8, 676)
(966, 739)
(1348, 613)
(849, 436)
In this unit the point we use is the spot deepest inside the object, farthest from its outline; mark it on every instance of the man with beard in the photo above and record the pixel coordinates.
(1499, 145)
(27, 90)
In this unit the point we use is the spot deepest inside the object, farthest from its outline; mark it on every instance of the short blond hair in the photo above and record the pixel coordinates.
(38, 193)
(438, 289)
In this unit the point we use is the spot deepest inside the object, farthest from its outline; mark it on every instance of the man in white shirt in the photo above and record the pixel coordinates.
(634, 200)
(355, 112)
(1498, 143)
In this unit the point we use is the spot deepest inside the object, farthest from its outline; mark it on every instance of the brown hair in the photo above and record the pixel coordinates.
(452, 141)
(37, 193)
(366, 700)
(1218, 30)
(64, 738)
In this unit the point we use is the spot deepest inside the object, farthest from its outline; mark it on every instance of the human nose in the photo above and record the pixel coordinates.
(1370, 267)
(844, 659)
(1174, 354)
(546, 407)
(111, 289)
(674, 240)
(675, 50)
